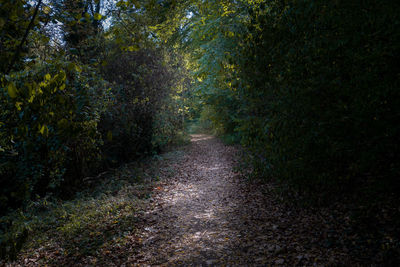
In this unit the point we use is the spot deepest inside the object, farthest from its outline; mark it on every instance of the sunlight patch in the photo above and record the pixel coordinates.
(200, 137)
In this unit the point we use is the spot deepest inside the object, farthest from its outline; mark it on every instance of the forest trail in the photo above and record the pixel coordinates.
(193, 219)
(206, 215)
(190, 208)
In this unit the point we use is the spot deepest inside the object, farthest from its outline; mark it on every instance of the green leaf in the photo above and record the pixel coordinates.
(74, 67)
(136, 3)
(63, 123)
(78, 68)
(12, 90)
(73, 51)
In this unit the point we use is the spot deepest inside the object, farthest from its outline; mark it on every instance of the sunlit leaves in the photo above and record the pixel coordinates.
(46, 9)
(43, 114)
(12, 90)
(73, 67)
(18, 105)
(43, 130)
(97, 16)
(133, 48)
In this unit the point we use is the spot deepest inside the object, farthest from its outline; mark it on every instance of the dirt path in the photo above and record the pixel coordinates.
(198, 213)
(206, 215)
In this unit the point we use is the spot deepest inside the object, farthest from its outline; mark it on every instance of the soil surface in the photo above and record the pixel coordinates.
(205, 214)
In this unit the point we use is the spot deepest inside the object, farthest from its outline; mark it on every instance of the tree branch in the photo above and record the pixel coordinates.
(19, 48)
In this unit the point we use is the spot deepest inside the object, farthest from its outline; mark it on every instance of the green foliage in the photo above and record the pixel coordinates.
(94, 218)
(213, 37)
(323, 112)
(82, 28)
(14, 19)
(51, 112)
(311, 90)
(168, 127)
(309, 87)
(75, 100)
(142, 116)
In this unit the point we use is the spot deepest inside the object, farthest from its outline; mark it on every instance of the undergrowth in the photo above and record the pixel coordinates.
(100, 217)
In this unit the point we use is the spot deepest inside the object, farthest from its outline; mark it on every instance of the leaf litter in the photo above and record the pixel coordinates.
(206, 214)
(198, 212)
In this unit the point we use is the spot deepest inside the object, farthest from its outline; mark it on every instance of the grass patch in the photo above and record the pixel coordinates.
(91, 228)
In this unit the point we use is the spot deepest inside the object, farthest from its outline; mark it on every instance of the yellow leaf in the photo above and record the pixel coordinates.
(46, 9)
(62, 75)
(12, 90)
(47, 77)
(78, 68)
(109, 136)
(18, 105)
(133, 48)
(44, 130)
(97, 16)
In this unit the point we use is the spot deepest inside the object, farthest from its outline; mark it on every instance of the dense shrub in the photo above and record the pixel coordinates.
(14, 19)
(48, 130)
(76, 99)
(60, 122)
(141, 86)
(311, 87)
(312, 90)
(324, 111)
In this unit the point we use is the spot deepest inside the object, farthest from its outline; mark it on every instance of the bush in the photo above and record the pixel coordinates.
(139, 119)
(325, 109)
(48, 130)
(312, 89)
